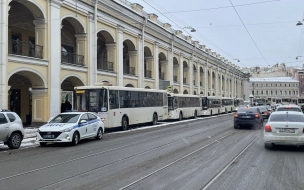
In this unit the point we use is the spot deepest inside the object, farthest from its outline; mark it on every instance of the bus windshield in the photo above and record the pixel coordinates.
(92, 100)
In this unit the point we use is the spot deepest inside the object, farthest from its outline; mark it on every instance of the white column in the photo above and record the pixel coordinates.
(92, 50)
(141, 62)
(181, 74)
(55, 58)
(216, 82)
(170, 66)
(3, 53)
(156, 66)
(191, 75)
(198, 66)
(211, 82)
(206, 79)
(221, 84)
(119, 54)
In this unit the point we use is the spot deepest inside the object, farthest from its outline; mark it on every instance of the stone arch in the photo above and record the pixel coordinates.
(148, 62)
(176, 73)
(23, 83)
(129, 63)
(194, 92)
(201, 92)
(161, 67)
(32, 6)
(129, 85)
(175, 61)
(108, 37)
(107, 82)
(213, 94)
(75, 22)
(73, 79)
(185, 92)
(208, 93)
(175, 91)
(147, 87)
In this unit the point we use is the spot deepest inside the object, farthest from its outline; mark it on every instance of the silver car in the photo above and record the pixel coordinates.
(289, 108)
(284, 128)
(11, 129)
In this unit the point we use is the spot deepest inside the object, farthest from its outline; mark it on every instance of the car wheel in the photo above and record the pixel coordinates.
(14, 141)
(42, 144)
(124, 123)
(268, 145)
(155, 119)
(180, 116)
(75, 139)
(99, 134)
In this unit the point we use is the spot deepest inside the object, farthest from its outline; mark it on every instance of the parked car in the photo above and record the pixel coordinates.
(284, 128)
(11, 129)
(264, 111)
(248, 116)
(70, 127)
(289, 108)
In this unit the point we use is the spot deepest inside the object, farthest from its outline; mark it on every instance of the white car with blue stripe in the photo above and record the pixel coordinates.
(71, 127)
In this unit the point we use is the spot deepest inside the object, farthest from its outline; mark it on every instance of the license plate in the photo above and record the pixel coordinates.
(48, 136)
(287, 130)
(246, 116)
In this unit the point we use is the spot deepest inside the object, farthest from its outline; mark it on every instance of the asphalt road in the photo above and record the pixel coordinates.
(206, 153)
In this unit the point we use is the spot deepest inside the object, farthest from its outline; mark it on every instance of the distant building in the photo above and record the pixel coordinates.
(298, 73)
(275, 89)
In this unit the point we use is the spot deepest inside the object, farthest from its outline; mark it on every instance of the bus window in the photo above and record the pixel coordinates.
(113, 99)
(81, 100)
(170, 103)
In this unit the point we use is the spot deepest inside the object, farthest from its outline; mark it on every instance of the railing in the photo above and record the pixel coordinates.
(71, 58)
(185, 80)
(162, 76)
(129, 70)
(25, 49)
(107, 66)
(148, 74)
(174, 78)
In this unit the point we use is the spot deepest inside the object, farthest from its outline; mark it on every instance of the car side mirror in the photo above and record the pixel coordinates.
(83, 121)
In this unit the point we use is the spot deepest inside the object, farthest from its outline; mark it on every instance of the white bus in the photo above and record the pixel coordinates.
(211, 105)
(183, 106)
(227, 104)
(123, 106)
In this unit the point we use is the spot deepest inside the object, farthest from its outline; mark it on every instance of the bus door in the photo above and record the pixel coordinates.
(205, 104)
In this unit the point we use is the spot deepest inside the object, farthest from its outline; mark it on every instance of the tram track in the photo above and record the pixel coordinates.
(207, 137)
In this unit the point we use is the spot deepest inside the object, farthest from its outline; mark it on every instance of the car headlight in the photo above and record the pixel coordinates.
(67, 129)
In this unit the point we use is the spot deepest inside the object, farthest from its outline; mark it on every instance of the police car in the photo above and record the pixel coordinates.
(70, 127)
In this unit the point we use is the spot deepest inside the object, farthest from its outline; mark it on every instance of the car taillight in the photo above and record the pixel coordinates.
(236, 115)
(257, 115)
(268, 128)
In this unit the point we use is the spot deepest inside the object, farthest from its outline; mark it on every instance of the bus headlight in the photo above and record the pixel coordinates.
(103, 119)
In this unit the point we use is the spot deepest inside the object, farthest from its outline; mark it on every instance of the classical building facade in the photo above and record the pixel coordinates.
(275, 88)
(48, 47)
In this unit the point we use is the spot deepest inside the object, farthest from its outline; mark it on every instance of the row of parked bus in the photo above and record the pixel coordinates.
(123, 106)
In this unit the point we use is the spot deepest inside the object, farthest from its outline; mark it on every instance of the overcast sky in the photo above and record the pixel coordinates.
(272, 36)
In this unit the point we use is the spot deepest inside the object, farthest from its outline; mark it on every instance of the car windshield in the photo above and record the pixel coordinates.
(289, 109)
(247, 110)
(286, 117)
(65, 118)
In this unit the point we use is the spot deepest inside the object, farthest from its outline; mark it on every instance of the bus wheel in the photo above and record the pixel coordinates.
(124, 123)
(195, 114)
(154, 122)
(180, 116)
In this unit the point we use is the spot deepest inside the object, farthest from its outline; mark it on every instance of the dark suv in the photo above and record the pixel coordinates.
(11, 129)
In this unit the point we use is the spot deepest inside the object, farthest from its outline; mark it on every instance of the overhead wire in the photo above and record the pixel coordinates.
(248, 33)
(170, 17)
(224, 7)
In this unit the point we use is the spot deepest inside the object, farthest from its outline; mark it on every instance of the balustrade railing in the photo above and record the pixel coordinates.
(105, 65)
(148, 74)
(25, 49)
(129, 70)
(72, 58)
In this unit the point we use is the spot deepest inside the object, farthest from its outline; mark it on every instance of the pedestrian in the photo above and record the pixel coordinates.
(68, 106)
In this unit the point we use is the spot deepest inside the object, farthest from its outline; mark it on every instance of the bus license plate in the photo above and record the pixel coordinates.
(287, 130)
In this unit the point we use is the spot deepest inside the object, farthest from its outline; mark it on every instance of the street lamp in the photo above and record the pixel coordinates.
(299, 23)
(298, 57)
(251, 99)
(191, 28)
